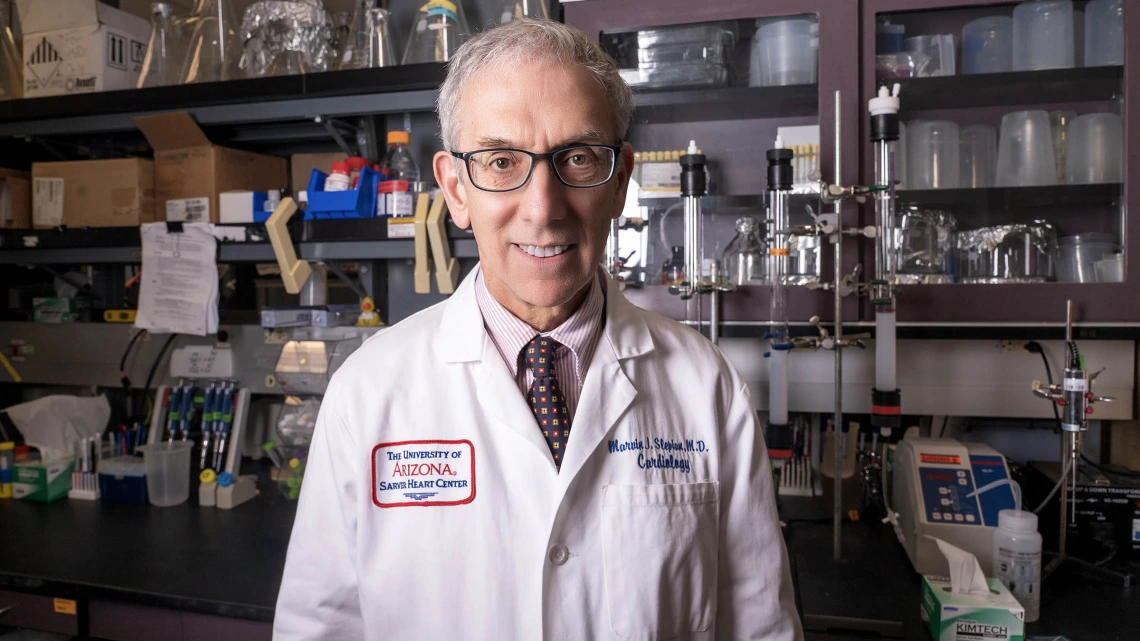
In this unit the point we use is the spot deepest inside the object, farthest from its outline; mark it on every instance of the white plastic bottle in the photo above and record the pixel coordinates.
(1017, 559)
(338, 179)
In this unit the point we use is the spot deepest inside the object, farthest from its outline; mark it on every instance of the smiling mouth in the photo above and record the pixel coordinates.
(544, 252)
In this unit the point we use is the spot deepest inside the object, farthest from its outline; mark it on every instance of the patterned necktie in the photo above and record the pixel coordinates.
(546, 397)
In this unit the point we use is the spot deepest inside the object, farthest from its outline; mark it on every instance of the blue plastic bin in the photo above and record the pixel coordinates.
(355, 203)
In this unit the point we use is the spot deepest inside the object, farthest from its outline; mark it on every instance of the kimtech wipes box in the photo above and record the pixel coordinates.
(952, 616)
(80, 46)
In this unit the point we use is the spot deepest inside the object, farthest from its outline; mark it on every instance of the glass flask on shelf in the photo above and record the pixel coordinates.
(164, 50)
(515, 9)
(373, 47)
(11, 64)
(437, 31)
(745, 259)
(357, 37)
(214, 46)
(673, 271)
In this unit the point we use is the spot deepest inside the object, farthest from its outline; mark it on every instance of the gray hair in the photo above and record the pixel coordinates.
(527, 39)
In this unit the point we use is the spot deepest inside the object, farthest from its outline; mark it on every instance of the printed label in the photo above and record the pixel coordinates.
(423, 473)
(1136, 530)
(64, 606)
(945, 459)
(401, 228)
(1076, 385)
(47, 202)
(189, 210)
(661, 176)
(399, 203)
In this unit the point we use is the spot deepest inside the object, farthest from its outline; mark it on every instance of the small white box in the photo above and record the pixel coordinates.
(80, 46)
(238, 206)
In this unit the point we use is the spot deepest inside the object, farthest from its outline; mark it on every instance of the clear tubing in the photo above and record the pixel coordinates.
(885, 255)
(778, 387)
(778, 266)
(837, 495)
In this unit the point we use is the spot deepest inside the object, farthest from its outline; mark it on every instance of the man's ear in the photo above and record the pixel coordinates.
(453, 185)
(622, 174)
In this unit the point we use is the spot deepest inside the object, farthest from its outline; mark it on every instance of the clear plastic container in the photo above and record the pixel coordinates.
(924, 239)
(1017, 559)
(889, 38)
(714, 52)
(677, 75)
(1078, 256)
(987, 45)
(939, 50)
(978, 156)
(745, 258)
(785, 51)
(903, 64)
(1006, 254)
(1043, 35)
(1104, 33)
(167, 472)
(1110, 269)
(703, 33)
(933, 155)
(1025, 150)
(1094, 150)
(398, 162)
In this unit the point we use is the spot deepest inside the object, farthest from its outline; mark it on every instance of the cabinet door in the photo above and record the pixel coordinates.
(116, 621)
(1036, 101)
(735, 123)
(38, 612)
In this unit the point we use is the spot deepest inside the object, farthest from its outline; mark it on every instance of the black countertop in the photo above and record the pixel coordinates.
(199, 559)
(229, 563)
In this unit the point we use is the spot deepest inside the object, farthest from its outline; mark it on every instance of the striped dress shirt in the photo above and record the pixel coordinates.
(578, 337)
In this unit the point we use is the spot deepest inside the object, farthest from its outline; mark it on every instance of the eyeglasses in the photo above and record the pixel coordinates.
(577, 166)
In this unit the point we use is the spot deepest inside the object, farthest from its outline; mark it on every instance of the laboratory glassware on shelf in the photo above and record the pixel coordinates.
(165, 50)
(283, 38)
(438, 30)
(745, 258)
(369, 41)
(11, 75)
(214, 48)
(516, 9)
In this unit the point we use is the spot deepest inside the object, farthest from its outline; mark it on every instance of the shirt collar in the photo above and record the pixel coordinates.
(578, 333)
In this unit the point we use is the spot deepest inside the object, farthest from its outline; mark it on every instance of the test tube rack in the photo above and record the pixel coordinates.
(238, 489)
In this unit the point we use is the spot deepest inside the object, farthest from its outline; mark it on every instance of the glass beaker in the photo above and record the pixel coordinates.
(673, 271)
(515, 9)
(745, 259)
(164, 50)
(11, 65)
(374, 47)
(214, 46)
(437, 31)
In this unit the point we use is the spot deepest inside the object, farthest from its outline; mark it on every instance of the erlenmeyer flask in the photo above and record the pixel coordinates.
(287, 63)
(436, 33)
(515, 9)
(214, 49)
(11, 76)
(379, 51)
(164, 50)
(358, 35)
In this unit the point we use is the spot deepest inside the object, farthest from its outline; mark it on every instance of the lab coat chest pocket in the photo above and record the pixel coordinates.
(659, 544)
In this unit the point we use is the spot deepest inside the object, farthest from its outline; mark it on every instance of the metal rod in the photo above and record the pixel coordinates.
(1065, 449)
(837, 509)
(714, 304)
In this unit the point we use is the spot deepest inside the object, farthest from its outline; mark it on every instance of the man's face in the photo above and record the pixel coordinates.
(538, 106)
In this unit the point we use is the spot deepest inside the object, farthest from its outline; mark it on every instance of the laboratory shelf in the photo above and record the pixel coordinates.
(1098, 194)
(399, 89)
(318, 240)
(728, 103)
(1011, 88)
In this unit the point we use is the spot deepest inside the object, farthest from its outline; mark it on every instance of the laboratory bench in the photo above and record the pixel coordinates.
(136, 572)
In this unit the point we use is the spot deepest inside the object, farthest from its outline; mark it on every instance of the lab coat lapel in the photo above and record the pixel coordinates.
(607, 391)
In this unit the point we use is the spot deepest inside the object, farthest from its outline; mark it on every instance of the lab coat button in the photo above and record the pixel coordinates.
(559, 554)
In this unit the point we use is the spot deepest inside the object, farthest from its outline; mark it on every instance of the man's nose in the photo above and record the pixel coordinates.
(544, 196)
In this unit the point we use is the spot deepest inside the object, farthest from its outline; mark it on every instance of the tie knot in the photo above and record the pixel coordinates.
(538, 355)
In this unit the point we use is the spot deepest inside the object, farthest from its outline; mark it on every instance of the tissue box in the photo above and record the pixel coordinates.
(969, 617)
(40, 481)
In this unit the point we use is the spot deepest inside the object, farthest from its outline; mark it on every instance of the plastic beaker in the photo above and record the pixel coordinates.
(784, 52)
(932, 155)
(1094, 151)
(1025, 150)
(1104, 33)
(978, 155)
(1043, 35)
(987, 45)
(940, 51)
(167, 472)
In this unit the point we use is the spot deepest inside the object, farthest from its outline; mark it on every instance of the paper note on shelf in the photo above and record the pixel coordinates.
(179, 286)
(202, 361)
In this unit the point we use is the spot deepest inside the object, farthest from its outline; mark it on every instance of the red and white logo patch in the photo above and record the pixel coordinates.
(423, 473)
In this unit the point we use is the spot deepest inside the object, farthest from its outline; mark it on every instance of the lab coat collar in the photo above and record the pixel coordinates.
(463, 337)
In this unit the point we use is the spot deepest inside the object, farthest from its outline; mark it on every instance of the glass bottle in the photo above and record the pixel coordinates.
(437, 31)
(745, 259)
(515, 9)
(164, 50)
(673, 271)
(398, 163)
(214, 46)
(11, 65)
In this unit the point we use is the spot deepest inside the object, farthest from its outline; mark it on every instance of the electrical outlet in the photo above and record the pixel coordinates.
(1012, 347)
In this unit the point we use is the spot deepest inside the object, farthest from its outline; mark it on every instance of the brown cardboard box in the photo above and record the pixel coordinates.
(15, 199)
(93, 193)
(190, 172)
(304, 164)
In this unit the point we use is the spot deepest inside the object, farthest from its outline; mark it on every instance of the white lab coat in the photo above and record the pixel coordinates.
(623, 543)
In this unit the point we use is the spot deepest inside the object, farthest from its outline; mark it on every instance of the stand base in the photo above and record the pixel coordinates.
(85, 495)
(243, 489)
(207, 494)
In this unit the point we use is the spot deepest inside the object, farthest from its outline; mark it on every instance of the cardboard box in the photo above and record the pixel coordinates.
(302, 166)
(93, 193)
(40, 481)
(80, 46)
(15, 199)
(59, 310)
(190, 172)
(967, 617)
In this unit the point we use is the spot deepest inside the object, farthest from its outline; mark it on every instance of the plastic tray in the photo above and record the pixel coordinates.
(353, 203)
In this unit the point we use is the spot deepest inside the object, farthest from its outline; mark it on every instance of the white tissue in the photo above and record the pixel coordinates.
(966, 576)
(53, 424)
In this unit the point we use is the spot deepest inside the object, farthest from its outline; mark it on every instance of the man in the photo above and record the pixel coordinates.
(536, 458)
